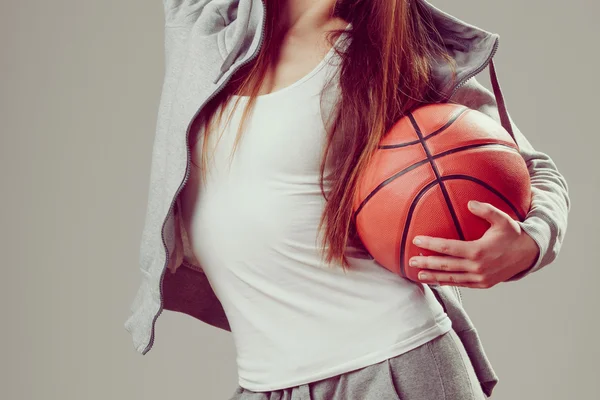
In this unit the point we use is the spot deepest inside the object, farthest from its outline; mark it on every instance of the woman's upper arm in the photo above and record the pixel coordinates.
(546, 221)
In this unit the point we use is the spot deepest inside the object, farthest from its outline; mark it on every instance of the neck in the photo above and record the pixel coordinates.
(306, 16)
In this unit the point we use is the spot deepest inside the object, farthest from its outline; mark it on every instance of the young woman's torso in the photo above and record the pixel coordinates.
(253, 226)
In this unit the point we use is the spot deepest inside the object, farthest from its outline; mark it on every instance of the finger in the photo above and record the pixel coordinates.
(443, 263)
(488, 212)
(468, 285)
(450, 247)
(453, 279)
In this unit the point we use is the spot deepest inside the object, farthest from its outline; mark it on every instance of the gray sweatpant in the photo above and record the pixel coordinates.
(437, 370)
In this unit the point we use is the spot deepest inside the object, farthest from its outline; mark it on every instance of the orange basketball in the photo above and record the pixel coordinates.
(427, 168)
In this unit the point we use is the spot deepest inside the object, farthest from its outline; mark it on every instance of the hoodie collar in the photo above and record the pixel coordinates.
(472, 49)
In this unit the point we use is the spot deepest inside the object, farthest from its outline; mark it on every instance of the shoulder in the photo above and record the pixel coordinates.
(477, 97)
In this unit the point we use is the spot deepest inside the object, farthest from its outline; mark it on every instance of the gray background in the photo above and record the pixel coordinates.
(79, 89)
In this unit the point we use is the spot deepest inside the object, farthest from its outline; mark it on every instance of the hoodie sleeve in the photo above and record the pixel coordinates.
(546, 221)
(183, 13)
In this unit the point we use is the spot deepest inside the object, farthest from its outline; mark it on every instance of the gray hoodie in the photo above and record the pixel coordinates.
(206, 41)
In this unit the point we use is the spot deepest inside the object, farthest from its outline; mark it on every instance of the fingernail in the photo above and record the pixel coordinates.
(413, 263)
(424, 276)
(473, 204)
(417, 241)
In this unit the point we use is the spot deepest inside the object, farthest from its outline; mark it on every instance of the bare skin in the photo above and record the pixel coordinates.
(303, 42)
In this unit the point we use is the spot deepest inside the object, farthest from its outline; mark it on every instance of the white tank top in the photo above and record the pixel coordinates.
(252, 226)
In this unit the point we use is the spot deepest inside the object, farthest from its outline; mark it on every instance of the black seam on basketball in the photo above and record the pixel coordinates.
(453, 119)
(491, 189)
(415, 202)
(438, 177)
(397, 146)
(411, 210)
(388, 181)
(474, 146)
(419, 163)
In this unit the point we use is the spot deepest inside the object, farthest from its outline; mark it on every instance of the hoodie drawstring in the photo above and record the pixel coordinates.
(504, 117)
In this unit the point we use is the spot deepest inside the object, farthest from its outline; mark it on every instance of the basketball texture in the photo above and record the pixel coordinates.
(427, 168)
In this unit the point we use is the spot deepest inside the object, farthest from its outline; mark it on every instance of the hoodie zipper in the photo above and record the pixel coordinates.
(479, 69)
(187, 173)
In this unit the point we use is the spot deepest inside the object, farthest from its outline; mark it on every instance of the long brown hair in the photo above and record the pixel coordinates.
(385, 73)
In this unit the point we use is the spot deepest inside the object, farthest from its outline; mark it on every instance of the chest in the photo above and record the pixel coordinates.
(282, 140)
(294, 56)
